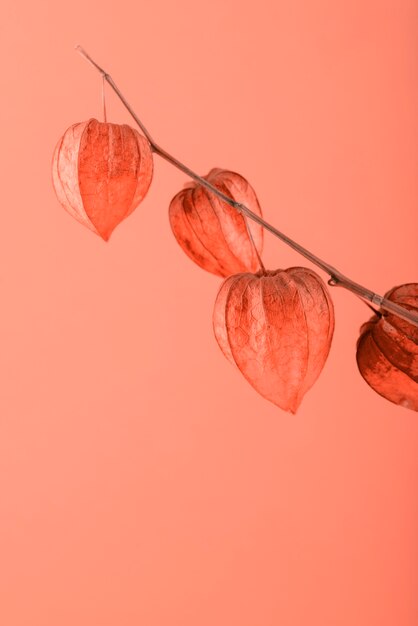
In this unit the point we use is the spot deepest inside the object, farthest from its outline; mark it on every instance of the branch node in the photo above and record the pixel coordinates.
(376, 299)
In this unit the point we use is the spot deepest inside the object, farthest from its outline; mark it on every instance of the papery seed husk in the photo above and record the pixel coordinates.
(101, 172)
(277, 327)
(387, 351)
(211, 232)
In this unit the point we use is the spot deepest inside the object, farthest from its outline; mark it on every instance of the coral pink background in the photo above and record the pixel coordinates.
(142, 481)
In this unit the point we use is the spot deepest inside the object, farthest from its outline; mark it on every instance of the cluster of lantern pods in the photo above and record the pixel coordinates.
(276, 326)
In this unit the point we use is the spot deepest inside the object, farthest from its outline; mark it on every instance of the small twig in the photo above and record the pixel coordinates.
(251, 238)
(336, 277)
(104, 98)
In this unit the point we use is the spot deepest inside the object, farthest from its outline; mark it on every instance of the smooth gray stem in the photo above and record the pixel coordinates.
(336, 277)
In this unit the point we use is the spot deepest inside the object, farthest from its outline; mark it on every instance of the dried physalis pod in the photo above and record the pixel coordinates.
(277, 327)
(213, 233)
(387, 351)
(101, 172)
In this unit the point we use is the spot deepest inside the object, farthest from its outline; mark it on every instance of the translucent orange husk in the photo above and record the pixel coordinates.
(276, 327)
(101, 172)
(211, 232)
(387, 351)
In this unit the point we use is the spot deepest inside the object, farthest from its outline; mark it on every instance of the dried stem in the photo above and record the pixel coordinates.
(251, 238)
(336, 277)
(104, 98)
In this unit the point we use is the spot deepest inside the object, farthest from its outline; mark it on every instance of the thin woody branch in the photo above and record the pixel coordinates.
(336, 277)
